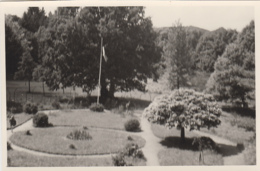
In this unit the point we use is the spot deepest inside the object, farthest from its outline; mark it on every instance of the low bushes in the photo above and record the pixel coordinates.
(96, 107)
(14, 107)
(30, 108)
(40, 120)
(132, 125)
(55, 105)
(130, 151)
(79, 135)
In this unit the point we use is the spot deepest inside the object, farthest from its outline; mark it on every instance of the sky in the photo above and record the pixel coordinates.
(206, 17)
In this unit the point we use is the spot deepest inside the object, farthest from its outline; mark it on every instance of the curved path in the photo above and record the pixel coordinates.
(150, 150)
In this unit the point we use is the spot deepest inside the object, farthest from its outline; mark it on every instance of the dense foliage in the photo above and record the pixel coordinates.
(132, 125)
(96, 107)
(14, 107)
(234, 75)
(40, 120)
(79, 135)
(184, 108)
(30, 108)
(178, 57)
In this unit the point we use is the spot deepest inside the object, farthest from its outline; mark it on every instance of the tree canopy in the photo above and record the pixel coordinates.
(178, 56)
(234, 75)
(70, 49)
(184, 108)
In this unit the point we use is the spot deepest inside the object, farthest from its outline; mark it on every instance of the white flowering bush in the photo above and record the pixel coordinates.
(184, 108)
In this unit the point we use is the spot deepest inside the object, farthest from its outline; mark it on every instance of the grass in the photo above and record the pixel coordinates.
(53, 140)
(20, 119)
(23, 159)
(239, 129)
(232, 128)
(176, 157)
(177, 153)
(89, 119)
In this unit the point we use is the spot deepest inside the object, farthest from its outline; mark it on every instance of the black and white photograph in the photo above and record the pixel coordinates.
(128, 84)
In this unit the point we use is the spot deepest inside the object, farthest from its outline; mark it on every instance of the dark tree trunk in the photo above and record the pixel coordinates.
(182, 135)
(245, 105)
(29, 86)
(43, 88)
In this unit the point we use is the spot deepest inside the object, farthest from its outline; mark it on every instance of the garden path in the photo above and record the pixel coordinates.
(150, 150)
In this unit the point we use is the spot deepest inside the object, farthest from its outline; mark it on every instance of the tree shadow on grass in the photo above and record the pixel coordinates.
(228, 150)
(223, 149)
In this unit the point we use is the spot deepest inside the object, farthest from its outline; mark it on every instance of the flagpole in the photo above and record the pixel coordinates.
(99, 78)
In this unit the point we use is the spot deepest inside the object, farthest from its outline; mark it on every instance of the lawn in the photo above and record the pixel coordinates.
(20, 119)
(23, 159)
(89, 119)
(177, 153)
(54, 140)
(176, 157)
(239, 129)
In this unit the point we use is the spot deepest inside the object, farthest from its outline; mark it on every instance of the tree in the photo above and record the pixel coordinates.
(68, 55)
(184, 108)
(13, 51)
(73, 49)
(25, 69)
(177, 52)
(210, 46)
(234, 75)
(129, 41)
(33, 19)
(26, 63)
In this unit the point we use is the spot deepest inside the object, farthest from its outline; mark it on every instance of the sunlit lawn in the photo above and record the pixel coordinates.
(54, 140)
(89, 119)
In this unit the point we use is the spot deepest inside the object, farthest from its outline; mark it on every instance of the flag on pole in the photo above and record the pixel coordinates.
(104, 54)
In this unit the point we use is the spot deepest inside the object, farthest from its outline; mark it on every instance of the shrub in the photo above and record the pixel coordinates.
(14, 107)
(30, 108)
(71, 146)
(96, 107)
(129, 138)
(132, 125)
(79, 135)
(206, 143)
(28, 132)
(9, 147)
(40, 120)
(55, 105)
(131, 151)
(64, 100)
(119, 160)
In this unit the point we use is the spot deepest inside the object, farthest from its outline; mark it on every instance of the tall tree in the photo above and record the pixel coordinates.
(210, 46)
(74, 49)
(177, 52)
(33, 19)
(129, 42)
(25, 69)
(234, 75)
(14, 51)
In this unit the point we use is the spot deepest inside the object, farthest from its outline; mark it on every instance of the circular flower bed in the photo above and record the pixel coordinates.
(54, 140)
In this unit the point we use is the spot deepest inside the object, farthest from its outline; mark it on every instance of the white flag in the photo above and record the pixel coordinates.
(104, 54)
